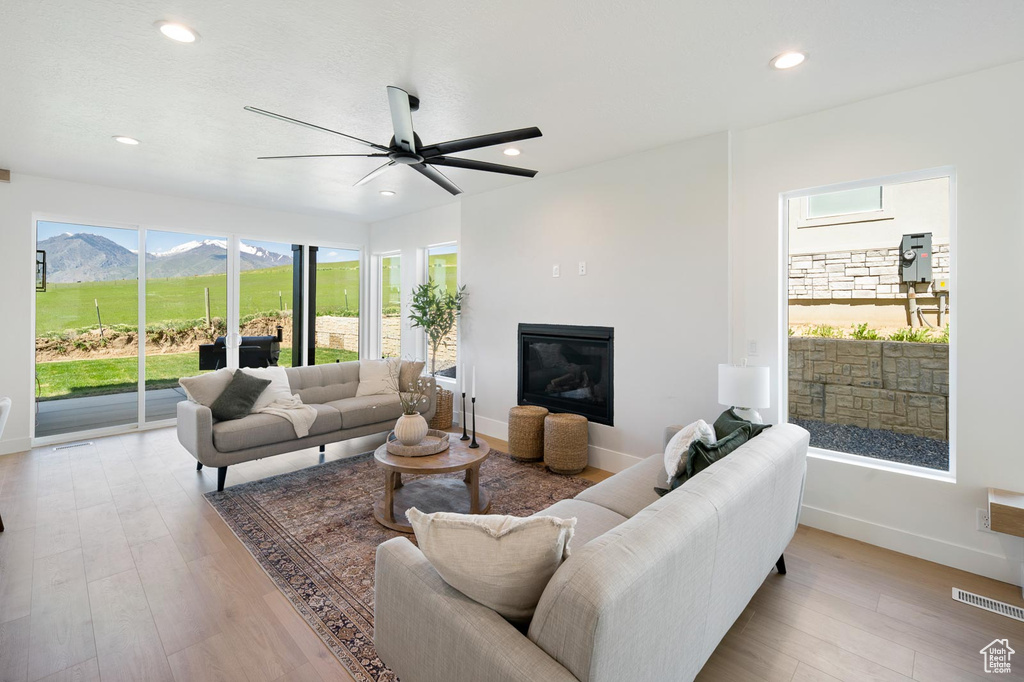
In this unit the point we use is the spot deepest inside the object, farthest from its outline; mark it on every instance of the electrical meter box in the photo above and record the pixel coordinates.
(916, 258)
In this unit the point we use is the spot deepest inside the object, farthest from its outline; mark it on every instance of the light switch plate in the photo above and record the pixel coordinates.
(583, 267)
(751, 347)
(554, 271)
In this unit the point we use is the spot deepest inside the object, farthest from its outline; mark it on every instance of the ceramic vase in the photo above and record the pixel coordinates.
(411, 429)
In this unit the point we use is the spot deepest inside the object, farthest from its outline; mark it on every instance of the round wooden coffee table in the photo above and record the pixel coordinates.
(430, 493)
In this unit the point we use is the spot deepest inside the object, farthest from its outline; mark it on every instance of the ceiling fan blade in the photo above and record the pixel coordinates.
(479, 141)
(374, 173)
(470, 164)
(401, 118)
(286, 119)
(318, 156)
(437, 177)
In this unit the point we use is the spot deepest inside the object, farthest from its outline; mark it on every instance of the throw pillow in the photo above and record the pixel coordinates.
(279, 388)
(701, 456)
(729, 421)
(502, 562)
(679, 445)
(377, 377)
(238, 398)
(205, 388)
(409, 374)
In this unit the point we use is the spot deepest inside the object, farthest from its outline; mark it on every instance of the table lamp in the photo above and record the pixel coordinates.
(745, 388)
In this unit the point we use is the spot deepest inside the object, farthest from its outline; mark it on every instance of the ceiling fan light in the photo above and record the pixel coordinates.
(511, 151)
(177, 32)
(124, 139)
(787, 60)
(387, 193)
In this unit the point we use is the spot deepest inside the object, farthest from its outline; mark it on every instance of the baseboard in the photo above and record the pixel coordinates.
(600, 458)
(942, 552)
(13, 445)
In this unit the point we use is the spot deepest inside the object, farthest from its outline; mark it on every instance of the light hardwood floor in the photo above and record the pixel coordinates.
(114, 567)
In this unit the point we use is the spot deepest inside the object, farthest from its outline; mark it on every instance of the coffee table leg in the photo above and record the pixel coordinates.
(389, 496)
(398, 480)
(473, 482)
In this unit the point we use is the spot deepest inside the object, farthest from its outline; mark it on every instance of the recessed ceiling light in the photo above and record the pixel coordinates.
(511, 151)
(178, 32)
(387, 193)
(123, 139)
(787, 60)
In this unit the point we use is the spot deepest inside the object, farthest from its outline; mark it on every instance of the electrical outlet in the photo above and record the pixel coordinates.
(555, 271)
(583, 267)
(984, 521)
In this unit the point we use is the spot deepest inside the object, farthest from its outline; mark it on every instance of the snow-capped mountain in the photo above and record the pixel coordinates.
(208, 257)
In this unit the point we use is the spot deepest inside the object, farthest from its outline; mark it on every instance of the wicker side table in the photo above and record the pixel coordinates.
(565, 443)
(526, 432)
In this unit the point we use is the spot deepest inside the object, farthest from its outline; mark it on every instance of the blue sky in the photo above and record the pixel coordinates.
(157, 241)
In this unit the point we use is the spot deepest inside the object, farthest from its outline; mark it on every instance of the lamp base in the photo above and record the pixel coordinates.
(748, 413)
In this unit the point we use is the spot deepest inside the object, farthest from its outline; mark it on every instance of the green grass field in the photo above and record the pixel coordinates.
(80, 378)
(71, 306)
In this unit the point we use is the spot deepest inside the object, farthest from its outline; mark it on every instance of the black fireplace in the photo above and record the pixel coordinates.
(567, 368)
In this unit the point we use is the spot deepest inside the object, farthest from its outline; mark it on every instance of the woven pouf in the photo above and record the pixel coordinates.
(526, 432)
(442, 419)
(565, 443)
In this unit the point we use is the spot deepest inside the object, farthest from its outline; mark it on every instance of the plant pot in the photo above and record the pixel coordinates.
(411, 429)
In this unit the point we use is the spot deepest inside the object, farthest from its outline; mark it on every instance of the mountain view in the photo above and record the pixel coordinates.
(85, 257)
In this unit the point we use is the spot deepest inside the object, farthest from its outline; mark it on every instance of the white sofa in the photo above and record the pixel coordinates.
(651, 587)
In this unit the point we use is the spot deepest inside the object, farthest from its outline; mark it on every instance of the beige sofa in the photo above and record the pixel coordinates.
(331, 389)
(651, 587)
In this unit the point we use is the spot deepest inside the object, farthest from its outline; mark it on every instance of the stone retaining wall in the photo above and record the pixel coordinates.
(868, 273)
(343, 333)
(896, 386)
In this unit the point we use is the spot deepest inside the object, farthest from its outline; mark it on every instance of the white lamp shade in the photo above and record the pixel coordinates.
(745, 386)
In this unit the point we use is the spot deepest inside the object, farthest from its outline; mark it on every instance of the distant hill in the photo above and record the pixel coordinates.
(84, 257)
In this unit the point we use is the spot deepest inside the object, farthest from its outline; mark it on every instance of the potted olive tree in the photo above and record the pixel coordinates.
(435, 310)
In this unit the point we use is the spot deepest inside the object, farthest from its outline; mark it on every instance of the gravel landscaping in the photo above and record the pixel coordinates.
(878, 443)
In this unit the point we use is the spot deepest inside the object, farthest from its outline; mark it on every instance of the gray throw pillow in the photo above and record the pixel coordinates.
(238, 398)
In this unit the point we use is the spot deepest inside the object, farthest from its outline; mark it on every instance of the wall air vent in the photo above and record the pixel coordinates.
(68, 446)
(1002, 608)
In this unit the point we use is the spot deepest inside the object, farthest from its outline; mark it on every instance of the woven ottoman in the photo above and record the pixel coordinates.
(526, 433)
(565, 443)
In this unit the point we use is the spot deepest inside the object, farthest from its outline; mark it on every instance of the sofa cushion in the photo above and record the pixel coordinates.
(205, 388)
(266, 429)
(378, 377)
(592, 520)
(239, 397)
(367, 409)
(629, 491)
(324, 383)
(409, 373)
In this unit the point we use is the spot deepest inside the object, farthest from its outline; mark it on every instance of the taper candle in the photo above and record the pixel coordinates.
(473, 394)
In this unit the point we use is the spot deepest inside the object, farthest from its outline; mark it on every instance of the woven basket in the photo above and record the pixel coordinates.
(442, 419)
(565, 443)
(526, 432)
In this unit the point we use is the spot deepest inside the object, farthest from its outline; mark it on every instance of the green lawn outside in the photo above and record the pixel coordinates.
(71, 306)
(79, 378)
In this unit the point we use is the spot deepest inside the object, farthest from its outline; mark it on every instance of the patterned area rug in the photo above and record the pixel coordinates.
(314, 533)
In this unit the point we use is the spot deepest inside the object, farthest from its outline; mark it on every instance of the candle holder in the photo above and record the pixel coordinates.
(465, 436)
(474, 444)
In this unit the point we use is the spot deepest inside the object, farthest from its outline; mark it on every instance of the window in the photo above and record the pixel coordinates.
(868, 327)
(443, 270)
(391, 306)
(334, 296)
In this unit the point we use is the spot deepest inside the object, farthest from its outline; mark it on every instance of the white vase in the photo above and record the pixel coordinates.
(411, 429)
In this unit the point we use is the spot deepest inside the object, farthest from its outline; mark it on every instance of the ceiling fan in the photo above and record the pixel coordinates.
(405, 148)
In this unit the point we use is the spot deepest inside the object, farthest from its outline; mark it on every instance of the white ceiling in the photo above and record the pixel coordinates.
(601, 78)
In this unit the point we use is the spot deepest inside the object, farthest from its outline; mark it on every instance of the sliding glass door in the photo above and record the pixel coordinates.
(334, 289)
(86, 351)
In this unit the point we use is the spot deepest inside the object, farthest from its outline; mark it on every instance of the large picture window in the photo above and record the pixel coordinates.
(869, 307)
(443, 270)
(390, 297)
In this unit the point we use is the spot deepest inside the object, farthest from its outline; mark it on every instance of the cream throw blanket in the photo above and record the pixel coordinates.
(292, 408)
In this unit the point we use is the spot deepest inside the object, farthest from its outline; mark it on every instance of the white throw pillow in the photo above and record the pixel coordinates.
(502, 562)
(679, 446)
(375, 376)
(279, 388)
(205, 388)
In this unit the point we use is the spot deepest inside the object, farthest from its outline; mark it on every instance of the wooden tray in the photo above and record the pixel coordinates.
(433, 443)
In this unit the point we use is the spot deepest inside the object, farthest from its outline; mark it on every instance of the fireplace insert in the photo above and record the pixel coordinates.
(567, 368)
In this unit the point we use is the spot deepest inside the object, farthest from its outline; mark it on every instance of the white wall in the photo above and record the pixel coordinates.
(73, 201)
(410, 234)
(652, 228)
(972, 123)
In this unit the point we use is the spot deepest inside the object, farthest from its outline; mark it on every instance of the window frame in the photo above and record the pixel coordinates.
(782, 286)
(424, 278)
